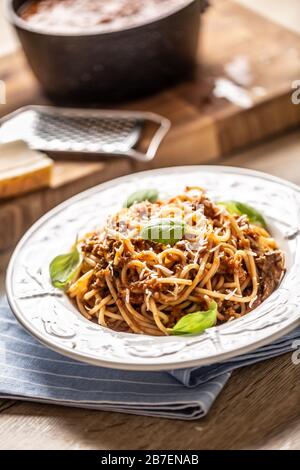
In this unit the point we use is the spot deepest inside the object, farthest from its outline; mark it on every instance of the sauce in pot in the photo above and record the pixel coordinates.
(77, 16)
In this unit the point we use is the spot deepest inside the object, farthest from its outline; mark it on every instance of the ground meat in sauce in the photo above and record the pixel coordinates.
(270, 270)
(269, 265)
(82, 15)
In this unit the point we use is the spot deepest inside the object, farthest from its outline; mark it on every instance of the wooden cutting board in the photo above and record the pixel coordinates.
(236, 44)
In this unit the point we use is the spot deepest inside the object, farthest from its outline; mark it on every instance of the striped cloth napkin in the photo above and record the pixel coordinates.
(30, 371)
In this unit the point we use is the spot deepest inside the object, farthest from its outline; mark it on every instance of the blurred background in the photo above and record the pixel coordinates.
(286, 13)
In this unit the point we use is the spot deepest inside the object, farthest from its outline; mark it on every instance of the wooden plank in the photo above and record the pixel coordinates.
(279, 157)
(5, 404)
(16, 215)
(243, 417)
(214, 126)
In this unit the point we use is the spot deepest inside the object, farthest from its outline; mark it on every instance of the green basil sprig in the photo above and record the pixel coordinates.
(64, 267)
(239, 208)
(166, 231)
(150, 195)
(196, 322)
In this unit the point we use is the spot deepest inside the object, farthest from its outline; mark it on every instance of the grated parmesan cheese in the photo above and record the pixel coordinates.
(230, 294)
(147, 299)
(163, 269)
(127, 298)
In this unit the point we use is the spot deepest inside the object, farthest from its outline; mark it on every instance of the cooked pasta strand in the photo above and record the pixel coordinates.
(141, 286)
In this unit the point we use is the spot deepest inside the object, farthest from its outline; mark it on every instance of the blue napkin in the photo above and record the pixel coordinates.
(30, 371)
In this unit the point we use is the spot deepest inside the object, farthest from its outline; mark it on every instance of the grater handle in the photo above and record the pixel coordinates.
(142, 116)
(164, 127)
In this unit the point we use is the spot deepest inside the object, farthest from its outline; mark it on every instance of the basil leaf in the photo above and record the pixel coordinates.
(150, 195)
(196, 322)
(235, 207)
(166, 231)
(64, 267)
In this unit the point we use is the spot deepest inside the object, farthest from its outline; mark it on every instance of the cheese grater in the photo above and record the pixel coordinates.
(84, 131)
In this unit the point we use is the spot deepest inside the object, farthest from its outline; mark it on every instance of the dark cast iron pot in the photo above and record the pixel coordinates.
(116, 65)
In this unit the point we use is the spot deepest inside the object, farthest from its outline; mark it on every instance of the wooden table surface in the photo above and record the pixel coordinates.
(259, 407)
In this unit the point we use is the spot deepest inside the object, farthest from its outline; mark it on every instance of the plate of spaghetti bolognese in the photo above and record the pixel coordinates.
(163, 269)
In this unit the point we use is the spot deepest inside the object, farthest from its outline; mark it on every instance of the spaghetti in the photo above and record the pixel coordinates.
(142, 285)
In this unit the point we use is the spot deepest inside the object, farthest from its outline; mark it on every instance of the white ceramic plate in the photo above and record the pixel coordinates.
(49, 315)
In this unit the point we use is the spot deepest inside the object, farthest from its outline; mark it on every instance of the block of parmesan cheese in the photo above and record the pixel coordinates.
(22, 169)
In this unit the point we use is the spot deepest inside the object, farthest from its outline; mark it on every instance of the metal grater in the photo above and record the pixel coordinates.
(84, 131)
